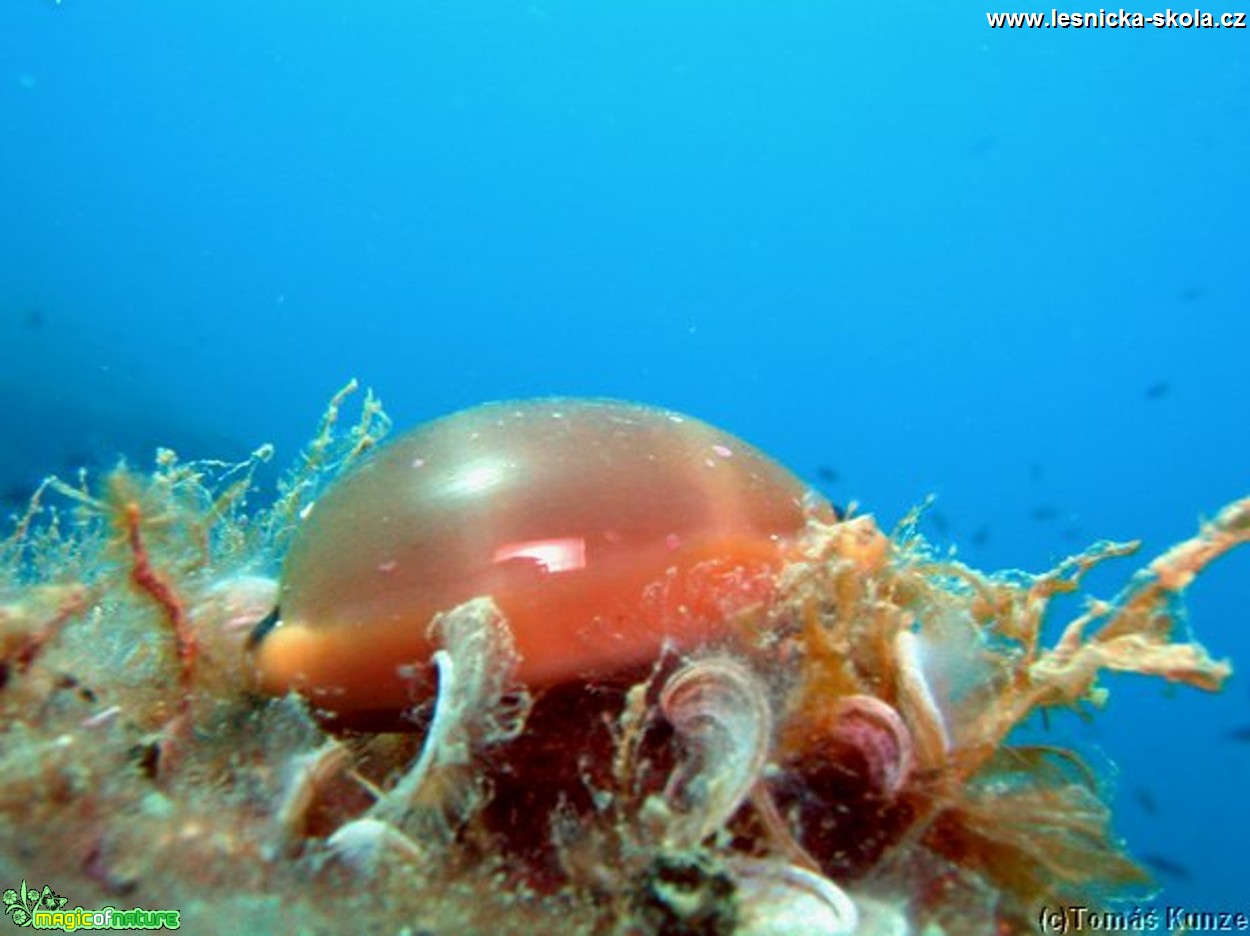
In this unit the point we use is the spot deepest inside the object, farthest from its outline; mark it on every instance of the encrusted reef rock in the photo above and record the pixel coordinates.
(810, 735)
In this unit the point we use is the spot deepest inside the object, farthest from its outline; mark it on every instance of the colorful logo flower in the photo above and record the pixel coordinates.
(22, 905)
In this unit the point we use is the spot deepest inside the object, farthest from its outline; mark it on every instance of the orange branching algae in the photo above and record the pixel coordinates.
(826, 749)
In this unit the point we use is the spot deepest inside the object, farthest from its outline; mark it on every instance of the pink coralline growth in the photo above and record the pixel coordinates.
(759, 718)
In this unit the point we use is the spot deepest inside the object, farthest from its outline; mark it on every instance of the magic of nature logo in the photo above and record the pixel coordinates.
(45, 910)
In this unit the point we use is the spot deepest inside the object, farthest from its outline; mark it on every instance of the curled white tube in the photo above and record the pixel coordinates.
(720, 712)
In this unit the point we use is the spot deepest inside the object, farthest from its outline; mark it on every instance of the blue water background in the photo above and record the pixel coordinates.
(903, 252)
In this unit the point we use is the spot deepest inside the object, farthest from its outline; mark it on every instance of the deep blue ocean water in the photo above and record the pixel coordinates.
(903, 252)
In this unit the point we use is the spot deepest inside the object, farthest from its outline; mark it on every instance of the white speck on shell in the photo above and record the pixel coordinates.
(776, 898)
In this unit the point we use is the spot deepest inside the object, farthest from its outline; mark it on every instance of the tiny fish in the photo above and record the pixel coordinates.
(1167, 867)
(15, 494)
(827, 474)
(1145, 799)
(981, 536)
(1240, 733)
(1158, 390)
(1044, 512)
(983, 145)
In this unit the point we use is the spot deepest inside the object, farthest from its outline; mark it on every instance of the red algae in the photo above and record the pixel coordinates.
(834, 748)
